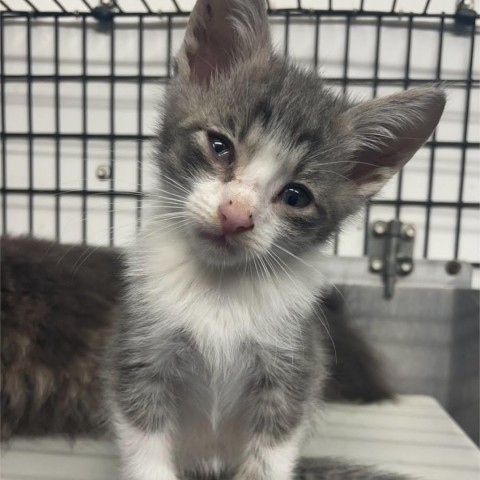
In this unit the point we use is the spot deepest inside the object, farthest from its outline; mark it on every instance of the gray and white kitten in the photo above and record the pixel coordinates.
(217, 364)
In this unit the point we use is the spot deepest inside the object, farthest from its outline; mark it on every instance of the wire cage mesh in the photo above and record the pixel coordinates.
(80, 84)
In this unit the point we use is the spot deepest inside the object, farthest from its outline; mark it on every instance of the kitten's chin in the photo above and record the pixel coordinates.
(219, 250)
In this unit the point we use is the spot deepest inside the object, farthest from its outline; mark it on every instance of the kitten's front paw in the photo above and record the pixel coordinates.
(143, 473)
(261, 473)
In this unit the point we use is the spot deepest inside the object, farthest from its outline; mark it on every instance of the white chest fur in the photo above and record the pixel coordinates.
(220, 310)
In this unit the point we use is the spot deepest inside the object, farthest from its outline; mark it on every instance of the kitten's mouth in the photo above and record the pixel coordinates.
(220, 249)
(220, 241)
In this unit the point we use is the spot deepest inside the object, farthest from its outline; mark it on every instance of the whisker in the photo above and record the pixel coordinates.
(169, 199)
(166, 205)
(256, 268)
(264, 269)
(79, 262)
(173, 183)
(182, 197)
(325, 326)
(284, 267)
(309, 266)
(334, 173)
(268, 259)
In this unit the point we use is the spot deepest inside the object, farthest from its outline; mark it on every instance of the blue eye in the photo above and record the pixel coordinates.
(295, 196)
(221, 147)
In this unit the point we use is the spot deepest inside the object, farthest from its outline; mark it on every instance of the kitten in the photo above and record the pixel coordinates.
(59, 304)
(218, 360)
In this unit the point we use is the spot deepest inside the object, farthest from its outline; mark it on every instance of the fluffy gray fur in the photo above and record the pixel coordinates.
(218, 362)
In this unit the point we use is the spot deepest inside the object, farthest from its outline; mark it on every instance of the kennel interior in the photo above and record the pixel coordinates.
(81, 83)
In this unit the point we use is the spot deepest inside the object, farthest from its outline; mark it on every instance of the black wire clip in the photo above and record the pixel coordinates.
(465, 15)
(104, 14)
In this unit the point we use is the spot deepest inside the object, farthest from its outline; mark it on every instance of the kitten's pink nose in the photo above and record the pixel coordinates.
(236, 217)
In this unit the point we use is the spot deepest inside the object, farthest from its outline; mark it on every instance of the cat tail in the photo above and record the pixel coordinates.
(357, 373)
(339, 469)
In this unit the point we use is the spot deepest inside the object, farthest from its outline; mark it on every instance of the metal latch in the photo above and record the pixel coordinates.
(391, 251)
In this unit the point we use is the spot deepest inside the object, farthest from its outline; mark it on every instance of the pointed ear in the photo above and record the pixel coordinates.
(219, 33)
(386, 133)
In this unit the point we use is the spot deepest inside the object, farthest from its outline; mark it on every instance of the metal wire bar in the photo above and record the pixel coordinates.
(427, 4)
(431, 166)
(56, 60)
(30, 125)
(458, 223)
(376, 64)
(177, 6)
(139, 123)
(62, 8)
(406, 84)
(87, 5)
(84, 130)
(126, 193)
(111, 216)
(293, 12)
(74, 192)
(460, 83)
(346, 58)
(317, 40)
(147, 6)
(169, 47)
(286, 34)
(30, 4)
(117, 6)
(108, 136)
(3, 118)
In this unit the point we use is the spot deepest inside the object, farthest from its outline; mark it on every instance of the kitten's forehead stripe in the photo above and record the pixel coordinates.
(263, 168)
(261, 114)
(263, 111)
(188, 127)
(231, 123)
(307, 137)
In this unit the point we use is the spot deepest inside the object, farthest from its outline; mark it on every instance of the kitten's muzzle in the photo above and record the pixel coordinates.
(235, 217)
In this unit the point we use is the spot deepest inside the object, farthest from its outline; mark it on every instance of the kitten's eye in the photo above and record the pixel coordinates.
(221, 147)
(295, 196)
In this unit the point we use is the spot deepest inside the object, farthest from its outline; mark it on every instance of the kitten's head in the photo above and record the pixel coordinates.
(257, 157)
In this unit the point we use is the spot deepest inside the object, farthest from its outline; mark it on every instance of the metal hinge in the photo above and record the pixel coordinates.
(391, 251)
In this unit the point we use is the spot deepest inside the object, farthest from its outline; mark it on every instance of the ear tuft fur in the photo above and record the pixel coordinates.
(388, 131)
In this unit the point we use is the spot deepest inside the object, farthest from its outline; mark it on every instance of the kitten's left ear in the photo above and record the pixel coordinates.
(386, 132)
(220, 33)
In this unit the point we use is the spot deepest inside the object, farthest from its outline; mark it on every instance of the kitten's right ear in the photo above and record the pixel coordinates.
(220, 33)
